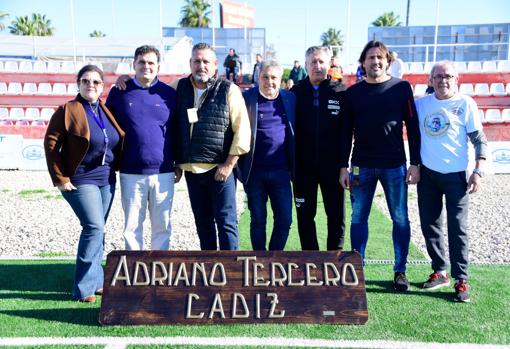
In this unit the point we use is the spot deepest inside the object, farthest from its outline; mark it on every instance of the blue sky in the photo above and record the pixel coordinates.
(291, 25)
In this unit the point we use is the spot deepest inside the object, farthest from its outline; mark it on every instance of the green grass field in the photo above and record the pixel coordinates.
(35, 301)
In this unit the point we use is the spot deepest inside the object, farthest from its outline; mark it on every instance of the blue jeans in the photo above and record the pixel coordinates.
(214, 207)
(91, 204)
(363, 187)
(275, 185)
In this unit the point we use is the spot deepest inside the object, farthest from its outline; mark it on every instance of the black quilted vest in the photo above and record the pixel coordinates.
(212, 133)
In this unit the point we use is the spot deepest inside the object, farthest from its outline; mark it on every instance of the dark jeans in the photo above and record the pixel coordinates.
(363, 187)
(91, 204)
(214, 207)
(306, 185)
(234, 71)
(275, 185)
(432, 187)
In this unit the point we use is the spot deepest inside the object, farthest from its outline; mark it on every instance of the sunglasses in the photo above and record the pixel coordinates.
(88, 82)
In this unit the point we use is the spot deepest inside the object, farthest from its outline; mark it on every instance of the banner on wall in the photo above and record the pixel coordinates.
(10, 145)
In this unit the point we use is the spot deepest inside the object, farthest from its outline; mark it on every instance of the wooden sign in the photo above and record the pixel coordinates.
(226, 287)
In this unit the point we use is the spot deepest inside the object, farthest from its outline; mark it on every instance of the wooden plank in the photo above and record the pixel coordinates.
(226, 287)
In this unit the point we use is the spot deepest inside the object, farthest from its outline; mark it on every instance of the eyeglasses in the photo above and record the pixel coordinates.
(88, 82)
(443, 77)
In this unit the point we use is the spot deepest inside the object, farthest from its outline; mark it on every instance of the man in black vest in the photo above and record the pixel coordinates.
(213, 129)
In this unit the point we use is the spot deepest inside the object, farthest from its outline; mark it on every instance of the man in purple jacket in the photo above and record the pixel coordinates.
(145, 109)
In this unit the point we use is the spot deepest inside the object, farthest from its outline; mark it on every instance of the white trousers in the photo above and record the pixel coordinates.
(139, 192)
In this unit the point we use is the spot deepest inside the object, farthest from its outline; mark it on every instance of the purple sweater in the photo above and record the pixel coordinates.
(271, 143)
(145, 114)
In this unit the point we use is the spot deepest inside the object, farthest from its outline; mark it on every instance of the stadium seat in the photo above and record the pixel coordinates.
(492, 115)
(29, 88)
(481, 114)
(507, 89)
(98, 64)
(419, 90)
(68, 67)
(504, 66)
(14, 88)
(467, 89)
(497, 89)
(474, 67)
(3, 88)
(32, 113)
(46, 113)
(11, 66)
(25, 67)
(72, 89)
(16, 113)
(39, 67)
(460, 67)
(53, 67)
(123, 68)
(482, 89)
(39, 122)
(415, 68)
(427, 68)
(505, 115)
(44, 88)
(4, 113)
(59, 88)
(489, 67)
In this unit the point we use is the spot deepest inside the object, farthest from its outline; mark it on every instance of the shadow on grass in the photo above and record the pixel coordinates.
(39, 296)
(386, 287)
(45, 277)
(76, 316)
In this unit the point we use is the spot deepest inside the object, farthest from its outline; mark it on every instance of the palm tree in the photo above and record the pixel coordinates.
(333, 37)
(2, 16)
(38, 25)
(97, 34)
(195, 13)
(42, 24)
(22, 26)
(388, 19)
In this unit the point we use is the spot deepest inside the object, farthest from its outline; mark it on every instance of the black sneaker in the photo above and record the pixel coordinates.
(461, 292)
(400, 282)
(435, 281)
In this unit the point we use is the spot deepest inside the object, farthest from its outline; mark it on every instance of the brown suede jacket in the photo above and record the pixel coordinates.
(67, 140)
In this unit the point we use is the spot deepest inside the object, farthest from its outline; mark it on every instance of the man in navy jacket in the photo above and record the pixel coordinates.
(268, 168)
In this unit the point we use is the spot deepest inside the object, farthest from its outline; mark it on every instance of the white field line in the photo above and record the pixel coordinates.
(123, 342)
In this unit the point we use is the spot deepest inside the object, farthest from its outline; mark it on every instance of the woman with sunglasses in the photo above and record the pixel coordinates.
(83, 144)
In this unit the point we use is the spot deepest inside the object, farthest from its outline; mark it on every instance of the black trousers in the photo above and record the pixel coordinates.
(306, 185)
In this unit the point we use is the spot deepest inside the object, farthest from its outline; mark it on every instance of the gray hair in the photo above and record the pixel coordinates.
(441, 64)
(318, 49)
(202, 46)
(271, 64)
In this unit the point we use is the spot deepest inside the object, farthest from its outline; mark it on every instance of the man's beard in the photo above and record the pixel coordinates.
(201, 77)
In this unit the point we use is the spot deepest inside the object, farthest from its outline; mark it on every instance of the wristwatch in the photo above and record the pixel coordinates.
(479, 172)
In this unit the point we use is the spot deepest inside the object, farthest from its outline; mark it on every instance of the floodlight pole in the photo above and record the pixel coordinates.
(73, 29)
(435, 33)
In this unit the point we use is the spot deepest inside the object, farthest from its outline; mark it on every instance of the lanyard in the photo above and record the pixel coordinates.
(96, 115)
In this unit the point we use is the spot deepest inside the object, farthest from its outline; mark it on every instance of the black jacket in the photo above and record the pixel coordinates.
(318, 124)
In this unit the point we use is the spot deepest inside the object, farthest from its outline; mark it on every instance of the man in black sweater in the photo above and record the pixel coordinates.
(318, 123)
(375, 110)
